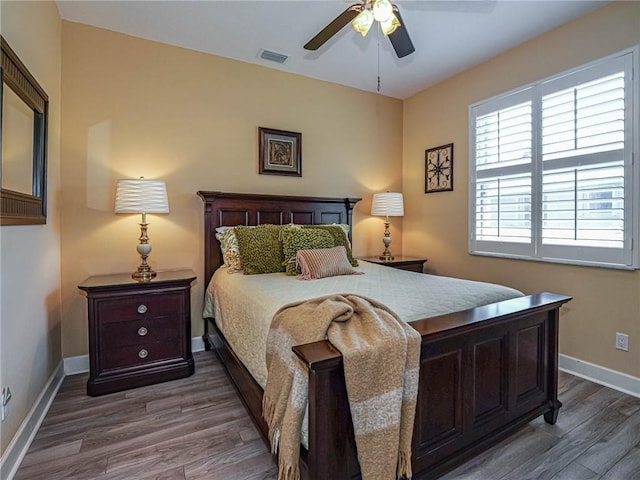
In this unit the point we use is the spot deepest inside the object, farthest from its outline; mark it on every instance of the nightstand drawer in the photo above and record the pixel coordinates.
(142, 330)
(140, 306)
(411, 267)
(134, 355)
(400, 262)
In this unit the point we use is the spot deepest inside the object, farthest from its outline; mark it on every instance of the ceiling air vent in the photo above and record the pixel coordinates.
(273, 56)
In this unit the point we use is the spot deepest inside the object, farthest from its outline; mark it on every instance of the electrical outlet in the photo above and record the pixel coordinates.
(622, 341)
(6, 396)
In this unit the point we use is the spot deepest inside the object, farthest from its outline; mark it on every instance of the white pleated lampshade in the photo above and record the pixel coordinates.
(141, 195)
(387, 204)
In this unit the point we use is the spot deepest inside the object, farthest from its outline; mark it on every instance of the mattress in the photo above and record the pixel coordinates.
(243, 305)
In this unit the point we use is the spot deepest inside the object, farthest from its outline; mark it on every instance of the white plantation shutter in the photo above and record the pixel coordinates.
(584, 206)
(503, 137)
(551, 168)
(503, 209)
(583, 177)
(585, 118)
(503, 172)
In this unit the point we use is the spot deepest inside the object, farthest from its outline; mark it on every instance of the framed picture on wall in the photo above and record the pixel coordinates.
(438, 175)
(280, 152)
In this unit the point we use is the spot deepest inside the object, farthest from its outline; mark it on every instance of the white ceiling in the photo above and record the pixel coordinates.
(449, 36)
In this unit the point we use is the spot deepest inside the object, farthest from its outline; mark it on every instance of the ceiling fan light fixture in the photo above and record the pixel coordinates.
(360, 16)
(390, 25)
(362, 23)
(382, 10)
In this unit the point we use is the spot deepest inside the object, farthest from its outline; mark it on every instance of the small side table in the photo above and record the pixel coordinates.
(139, 332)
(413, 264)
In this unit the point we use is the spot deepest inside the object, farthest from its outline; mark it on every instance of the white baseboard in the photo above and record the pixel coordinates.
(197, 344)
(601, 375)
(80, 364)
(75, 365)
(21, 441)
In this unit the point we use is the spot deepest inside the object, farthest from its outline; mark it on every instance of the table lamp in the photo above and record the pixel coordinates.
(387, 204)
(143, 196)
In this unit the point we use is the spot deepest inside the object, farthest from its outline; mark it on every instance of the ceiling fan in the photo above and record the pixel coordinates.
(362, 16)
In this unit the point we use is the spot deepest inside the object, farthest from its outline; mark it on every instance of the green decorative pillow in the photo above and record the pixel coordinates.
(339, 238)
(260, 249)
(343, 226)
(295, 238)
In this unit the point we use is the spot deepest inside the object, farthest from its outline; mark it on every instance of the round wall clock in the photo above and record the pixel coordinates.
(439, 169)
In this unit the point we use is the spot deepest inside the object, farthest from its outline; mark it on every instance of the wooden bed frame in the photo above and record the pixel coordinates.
(484, 372)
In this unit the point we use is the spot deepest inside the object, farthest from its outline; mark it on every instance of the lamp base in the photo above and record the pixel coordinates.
(144, 272)
(143, 276)
(386, 255)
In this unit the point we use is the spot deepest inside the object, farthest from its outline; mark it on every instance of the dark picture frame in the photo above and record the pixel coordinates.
(438, 169)
(280, 152)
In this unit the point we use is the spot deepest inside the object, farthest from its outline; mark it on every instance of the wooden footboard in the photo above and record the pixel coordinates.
(484, 373)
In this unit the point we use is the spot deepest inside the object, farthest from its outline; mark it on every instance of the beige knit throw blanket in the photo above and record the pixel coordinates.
(381, 361)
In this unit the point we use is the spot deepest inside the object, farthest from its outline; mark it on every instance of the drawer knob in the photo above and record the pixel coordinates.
(143, 353)
(142, 331)
(142, 308)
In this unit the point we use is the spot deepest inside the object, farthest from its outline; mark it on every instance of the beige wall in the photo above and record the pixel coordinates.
(138, 108)
(30, 255)
(436, 225)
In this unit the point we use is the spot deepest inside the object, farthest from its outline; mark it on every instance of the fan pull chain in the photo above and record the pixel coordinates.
(378, 62)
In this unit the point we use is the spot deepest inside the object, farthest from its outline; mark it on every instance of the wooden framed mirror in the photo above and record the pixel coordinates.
(23, 173)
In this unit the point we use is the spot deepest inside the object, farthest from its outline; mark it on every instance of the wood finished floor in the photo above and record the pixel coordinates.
(197, 428)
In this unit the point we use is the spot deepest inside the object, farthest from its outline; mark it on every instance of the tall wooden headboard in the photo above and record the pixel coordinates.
(229, 209)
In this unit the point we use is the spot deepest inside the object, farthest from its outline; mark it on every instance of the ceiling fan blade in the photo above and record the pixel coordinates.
(334, 27)
(400, 39)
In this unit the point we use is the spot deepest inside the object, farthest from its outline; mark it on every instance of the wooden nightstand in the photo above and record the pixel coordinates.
(412, 264)
(139, 332)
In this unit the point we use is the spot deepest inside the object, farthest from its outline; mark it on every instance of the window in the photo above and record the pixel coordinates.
(551, 168)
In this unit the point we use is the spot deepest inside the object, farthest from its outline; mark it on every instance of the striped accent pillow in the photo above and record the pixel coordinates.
(324, 262)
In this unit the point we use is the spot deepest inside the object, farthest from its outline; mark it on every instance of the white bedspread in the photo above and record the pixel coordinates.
(243, 305)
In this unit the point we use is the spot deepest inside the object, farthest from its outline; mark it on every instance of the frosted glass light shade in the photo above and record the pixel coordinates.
(140, 195)
(362, 23)
(387, 204)
(390, 25)
(382, 10)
